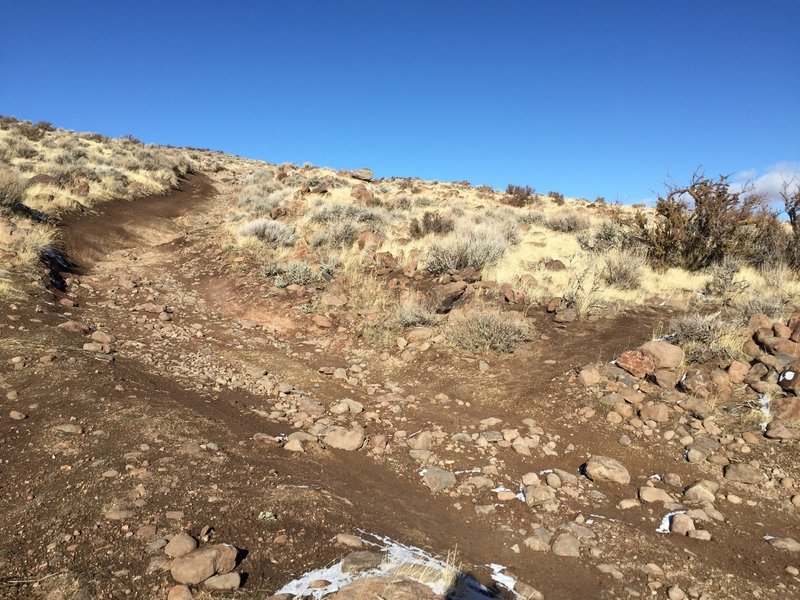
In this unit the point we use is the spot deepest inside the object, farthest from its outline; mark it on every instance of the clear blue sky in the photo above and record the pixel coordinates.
(587, 98)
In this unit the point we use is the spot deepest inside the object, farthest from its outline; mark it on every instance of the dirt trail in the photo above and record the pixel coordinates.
(180, 418)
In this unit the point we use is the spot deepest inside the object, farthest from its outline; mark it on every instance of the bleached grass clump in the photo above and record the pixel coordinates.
(339, 234)
(568, 222)
(476, 246)
(414, 314)
(623, 270)
(483, 330)
(268, 231)
(709, 336)
(12, 190)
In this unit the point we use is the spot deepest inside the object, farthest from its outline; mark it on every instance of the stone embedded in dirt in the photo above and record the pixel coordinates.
(293, 445)
(322, 321)
(444, 296)
(69, 428)
(785, 543)
(226, 581)
(658, 412)
(386, 588)
(603, 468)
(698, 383)
(635, 363)
(198, 565)
(676, 593)
(346, 539)
(776, 430)
(103, 337)
(438, 479)
(118, 514)
(17, 416)
(743, 473)
(700, 492)
(663, 354)
(179, 592)
(179, 545)
(358, 562)
(589, 376)
(345, 439)
(566, 544)
(420, 441)
(666, 378)
(566, 315)
(653, 494)
(681, 524)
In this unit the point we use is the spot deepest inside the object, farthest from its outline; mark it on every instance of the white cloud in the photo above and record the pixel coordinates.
(770, 183)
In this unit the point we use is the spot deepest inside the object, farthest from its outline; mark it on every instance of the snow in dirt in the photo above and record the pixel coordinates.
(397, 555)
(664, 527)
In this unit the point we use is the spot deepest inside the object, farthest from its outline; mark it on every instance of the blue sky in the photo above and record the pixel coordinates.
(586, 98)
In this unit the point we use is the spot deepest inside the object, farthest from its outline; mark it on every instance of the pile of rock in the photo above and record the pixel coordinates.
(211, 566)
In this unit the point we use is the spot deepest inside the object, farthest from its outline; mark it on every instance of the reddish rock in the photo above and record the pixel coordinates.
(737, 371)
(666, 378)
(751, 349)
(444, 296)
(759, 321)
(698, 384)
(636, 363)
(664, 355)
(658, 412)
(786, 409)
(782, 331)
(789, 379)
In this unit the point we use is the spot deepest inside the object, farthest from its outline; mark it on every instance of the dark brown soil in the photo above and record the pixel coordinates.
(152, 424)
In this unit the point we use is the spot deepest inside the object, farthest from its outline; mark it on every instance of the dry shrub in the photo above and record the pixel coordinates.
(584, 290)
(557, 196)
(568, 222)
(430, 223)
(487, 331)
(623, 270)
(268, 231)
(604, 236)
(413, 314)
(722, 279)
(339, 234)
(701, 224)
(708, 337)
(519, 195)
(533, 217)
(772, 306)
(12, 190)
(476, 246)
(294, 273)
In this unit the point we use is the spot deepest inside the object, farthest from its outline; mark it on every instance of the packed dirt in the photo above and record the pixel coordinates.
(172, 417)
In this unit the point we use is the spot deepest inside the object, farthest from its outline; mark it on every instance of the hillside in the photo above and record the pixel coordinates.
(455, 391)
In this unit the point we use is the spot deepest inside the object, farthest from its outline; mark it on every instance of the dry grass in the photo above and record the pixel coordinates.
(483, 330)
(711, 336)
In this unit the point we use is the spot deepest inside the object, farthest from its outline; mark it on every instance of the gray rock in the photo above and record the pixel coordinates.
(179, 545)
(743, 473)
(566, 544)
(357, 562)
(226, 581)
(345, 439)
(603, 468)
(438, 479)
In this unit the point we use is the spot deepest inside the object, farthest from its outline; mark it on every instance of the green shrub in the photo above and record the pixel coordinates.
(291, 273)
(487, 331)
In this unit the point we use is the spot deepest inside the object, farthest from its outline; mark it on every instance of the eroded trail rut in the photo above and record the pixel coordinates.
(178, 430)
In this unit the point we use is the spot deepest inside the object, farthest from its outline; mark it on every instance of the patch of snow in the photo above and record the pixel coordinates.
(767, 538)
(505, 580)
(397, 554)
(664, 527)
(655, 477)
(473, 470)
(545, 471)
(764, 401)
(500, 488)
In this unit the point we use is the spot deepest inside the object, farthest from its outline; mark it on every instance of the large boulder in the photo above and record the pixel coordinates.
(789, 379)
(444, 296)
(663, 354)
(345, 439)
(603, 468)
(362, 174)
(198, 565)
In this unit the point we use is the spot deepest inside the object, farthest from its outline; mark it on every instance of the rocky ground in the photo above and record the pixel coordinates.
(175, 424)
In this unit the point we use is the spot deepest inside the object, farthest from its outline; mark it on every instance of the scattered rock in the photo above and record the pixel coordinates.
(603, 468)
